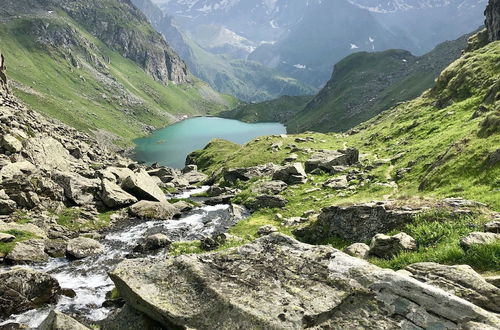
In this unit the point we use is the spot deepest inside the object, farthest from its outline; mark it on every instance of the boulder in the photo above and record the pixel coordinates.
(26, 227)
(493, 280)
(337, 183)
(10, 143)
(82, 247)
(461, 281)
(143, 186)
(116, 174)
(268, 201)
(492, 227)
(231, 176)
(478, 238)
(6, 238)
(115, 197)
(18, 169)
(30, 251)
(157, 241)
(127, 318)
(269, 187)
(22, 289)
(194, 177)
(59, 321)
(56, 248)
(276, 282)
(291, 174)
(7, 206)
(493, 20)
(326, 160)
(182, 206)
(48, 154)
(358, 250)
(218, 200)
(147, 210)
(384, 246)
(266, 230)
(78, 189)
(360, 222)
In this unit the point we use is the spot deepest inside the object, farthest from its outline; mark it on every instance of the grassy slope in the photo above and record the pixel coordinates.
(447, 149)
(86, 99)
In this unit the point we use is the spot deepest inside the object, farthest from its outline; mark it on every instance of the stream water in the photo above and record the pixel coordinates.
(89, 277)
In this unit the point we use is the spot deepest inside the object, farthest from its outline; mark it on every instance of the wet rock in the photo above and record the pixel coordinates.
(147, 210)
(59, 321)
(360, 222)
(358, 250)
(337, 183)
(292, 174)
(11, 144)
(492, 227)
(326, 160)
(30, 251)
(478, 238)
(268, 201)
(6, 238)
(22, 289)
(78, 189)
(82, 247)
(269, 187)
(266, 230)
(279, 283)
(461, 281)
(384, 246)
(182, 206)
(143, 186)
(115, 197)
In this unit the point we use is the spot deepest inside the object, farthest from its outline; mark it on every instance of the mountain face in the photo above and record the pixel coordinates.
(493, 20)
(277, 33)
(99, 66)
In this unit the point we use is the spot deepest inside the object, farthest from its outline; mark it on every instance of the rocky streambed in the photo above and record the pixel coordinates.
(87, 279)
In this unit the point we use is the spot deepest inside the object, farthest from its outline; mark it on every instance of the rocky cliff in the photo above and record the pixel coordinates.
(3, 78)
(493, 20)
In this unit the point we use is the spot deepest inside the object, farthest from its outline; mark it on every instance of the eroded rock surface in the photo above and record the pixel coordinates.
(279, 283)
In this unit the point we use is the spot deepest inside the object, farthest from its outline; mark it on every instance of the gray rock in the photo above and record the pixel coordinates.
(7, 206)
(56, 248)
(82, 247)
(48, 154)
(231, 176)
(194, 177)
(279, 283)
(190, 168)
(127, 318)
(293, 221)
(461, 281)
(18, 169)
(8, 226)
(492, 227)
(143, 186)
(493, 280)
(10, 143)
(337, 183)
(268, 201)
(478, 238)
(59, 321)
(384, 246)
(147, 210)
(22, 289)
(116, 174)
(493, 20)
(358, 250)
(291, 174)
(157, 241)
(266, 230)
(6, 238)
(238, 211)
(269, 187)
(115, 197)
(80, 190)
(326, 160)
(31, 251)
(182, 206)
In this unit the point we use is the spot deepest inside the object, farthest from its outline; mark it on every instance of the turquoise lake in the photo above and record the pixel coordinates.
(169, 146)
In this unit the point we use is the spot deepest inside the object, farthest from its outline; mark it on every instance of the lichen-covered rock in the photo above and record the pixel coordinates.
(59, 321)
(22, 289)
(279, 283)
(269, 187)
(268, 201)
(82, 247)
(479, 238)
(147, 210)
(31, 251)
(461, 281)
(359, 250)
(291, 174)
(326, 160)
(10, 143)
(384, 246)
(143, 186)
(492, 227)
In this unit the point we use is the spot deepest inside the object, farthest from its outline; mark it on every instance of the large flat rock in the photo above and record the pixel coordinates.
(279, 283)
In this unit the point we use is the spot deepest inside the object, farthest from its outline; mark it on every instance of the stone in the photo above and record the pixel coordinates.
(147, 210)
(384, 246)
(238, 211)
(269, 187)
(231, 176)
(56, 248)
(22, 289)
(493, 280)
(277, 282)
(293, 221)
(268, 201)
(492, 227)
(48, 154)
(292, 174)
(478, 238)
(360, 222)
(189, 169)
(337, 183)
(82, 247)
(326, 160)
(266, 230)
(183, 206)
(7, 206)
(460, 280)
(80, 190)
(157, 241)
(358, 250)
(10, 143)
(116, 174)
(6, 238)
(194, 177)
(59, 321)
(115, 197)
(25, 227)
(144, 187)
(127, 318)
(18, 169)
(30, 251)
(493, 20)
